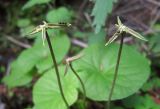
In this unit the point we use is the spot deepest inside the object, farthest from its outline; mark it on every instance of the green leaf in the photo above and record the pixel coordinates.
(100, 11)
(17, 79)
(97, 38)
(23, 23)
(2, 69)
(35, 57)
(97, 66)
(79, 34)
(132, 101)
(61, 14)
(154, 44)
(140, 102)
(46, 94)
(79, 104)
(61, 45)
(151, 84)
(25, 31)
(21, 68)
(32, 3)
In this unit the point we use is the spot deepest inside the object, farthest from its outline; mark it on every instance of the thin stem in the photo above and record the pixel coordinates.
(116, 71)
(83, 87)
(56, 69)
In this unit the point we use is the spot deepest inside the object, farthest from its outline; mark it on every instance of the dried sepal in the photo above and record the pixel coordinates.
(71, 59)
(114, 37)
(135, 34)
(119, 21)
(122, 28)
(43, 27)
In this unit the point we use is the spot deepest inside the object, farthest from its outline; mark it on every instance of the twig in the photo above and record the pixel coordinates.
(2, 105)
(155, 19)
(79, 43)
(154, 2)
(8, 69)
(82, 6)
(88, 19)
(21, 44)
(127, 10)
(141, 24)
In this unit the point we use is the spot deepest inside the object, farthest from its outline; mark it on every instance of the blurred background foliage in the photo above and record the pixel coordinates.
(93, 22)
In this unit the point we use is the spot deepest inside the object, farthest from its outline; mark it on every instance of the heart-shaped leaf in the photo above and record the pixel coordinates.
(21, 69)
(46, 94)
(61, 45)
(61, 14)
(31, 3)
(97, 66)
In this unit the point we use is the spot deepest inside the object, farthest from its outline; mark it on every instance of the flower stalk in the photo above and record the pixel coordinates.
(121, 31)
(80, 80)
(56, 69)
(116, 70)
(43, 28)
(69, 64)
